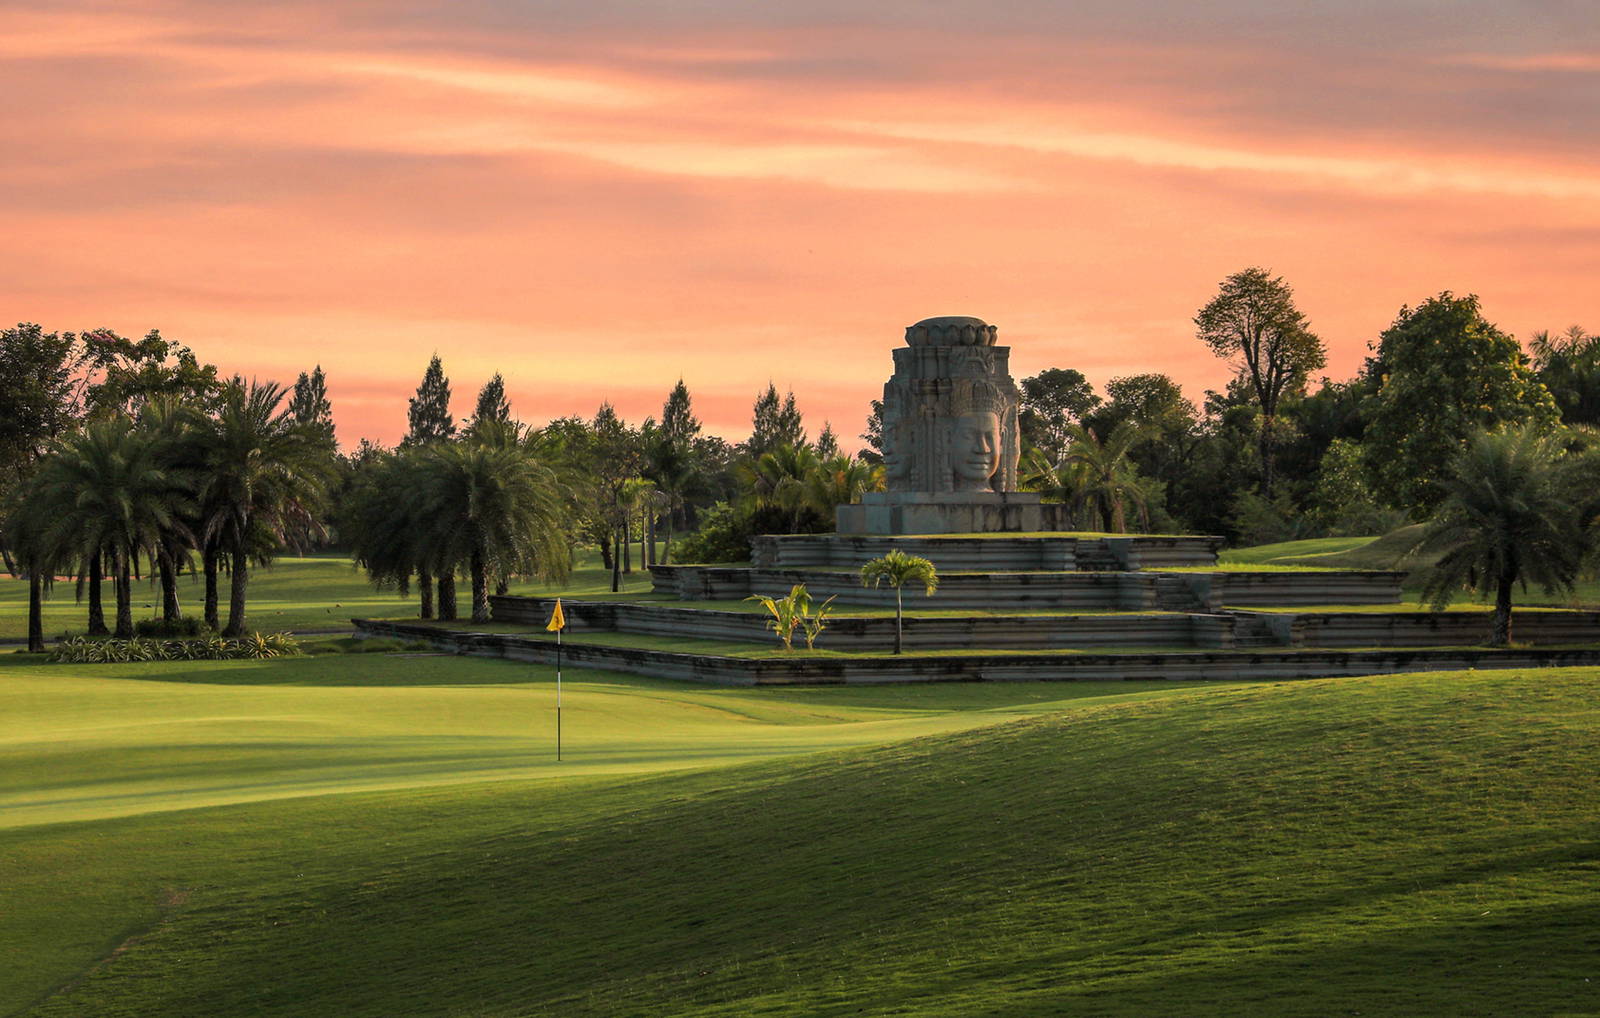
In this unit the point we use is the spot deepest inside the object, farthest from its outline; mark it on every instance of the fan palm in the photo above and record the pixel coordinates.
(264, 485)
(898, 570)
(1507, 518)
(498, 510)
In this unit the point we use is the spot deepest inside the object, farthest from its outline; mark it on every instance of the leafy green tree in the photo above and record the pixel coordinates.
(827, 442)
(1253, 321)
(429, 410)
(614, 456)
(1506, 518)
(669, 462)
(1441, 374)
(873, 434)
(311, 408)
(1052, 402)
(1342, 502)
(492, 403)
(899, 571)
(123, 374)
(264, 484)
(38, 397)
(496, 509)
(774, 423)
(678, 422)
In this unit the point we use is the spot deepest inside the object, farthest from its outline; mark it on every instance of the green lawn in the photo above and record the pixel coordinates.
(368, 835)
(313, 593)
(1292, 552)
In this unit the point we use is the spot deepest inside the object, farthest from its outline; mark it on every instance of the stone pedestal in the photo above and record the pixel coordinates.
(949, 512)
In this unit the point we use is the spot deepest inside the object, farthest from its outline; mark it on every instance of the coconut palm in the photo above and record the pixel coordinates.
(173, 427)
(29, 555)
(898, 570)
(264, 484)
(1507, 518)
(382, 518)
(109, 487)
(496, 509)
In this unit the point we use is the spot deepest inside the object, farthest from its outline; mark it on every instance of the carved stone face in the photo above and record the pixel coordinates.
(975, 450)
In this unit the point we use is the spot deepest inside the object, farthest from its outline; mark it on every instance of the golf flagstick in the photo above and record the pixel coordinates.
(558, 622)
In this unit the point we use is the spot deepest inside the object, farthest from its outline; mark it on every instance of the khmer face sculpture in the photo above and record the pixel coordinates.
(975, 450)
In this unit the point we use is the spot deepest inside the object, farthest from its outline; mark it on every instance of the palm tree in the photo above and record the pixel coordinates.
(381, 517)
(173, 428)
(1507, 518)
(778, 479)
(841, 480)
(671, 464)
(898, 569)
(1106, 477)
(108, 487)
(497, 509)
(30, 555)
(265, 481)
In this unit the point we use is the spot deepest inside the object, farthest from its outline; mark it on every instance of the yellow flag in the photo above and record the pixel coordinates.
(558, 619)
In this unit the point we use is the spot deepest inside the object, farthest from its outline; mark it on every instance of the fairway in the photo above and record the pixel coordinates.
(391, 835)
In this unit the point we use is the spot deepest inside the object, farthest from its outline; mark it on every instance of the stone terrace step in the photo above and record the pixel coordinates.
(1047, 591)
(989, 631)
(833, 670)
(1063, 552)
(1415, 628)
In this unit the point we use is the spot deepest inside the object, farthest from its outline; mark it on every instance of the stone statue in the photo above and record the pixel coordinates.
(950, 437)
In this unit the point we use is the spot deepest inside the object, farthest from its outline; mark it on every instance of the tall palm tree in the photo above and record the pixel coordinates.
(1507, 518)
(30, 555)
(173, 427)
(496, 509)
(898, 570)
(265, 482)
(671, 464)
(381, 517)
(108, 487)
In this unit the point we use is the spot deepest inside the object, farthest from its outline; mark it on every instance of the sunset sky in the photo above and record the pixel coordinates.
(595, 197)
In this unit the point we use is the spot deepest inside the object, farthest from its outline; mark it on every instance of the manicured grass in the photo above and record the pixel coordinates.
(312, 593)
(1245, 567)
(1395, 845)
(1291, 552)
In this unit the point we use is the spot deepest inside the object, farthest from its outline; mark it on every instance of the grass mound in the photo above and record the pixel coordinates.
(1397, 845)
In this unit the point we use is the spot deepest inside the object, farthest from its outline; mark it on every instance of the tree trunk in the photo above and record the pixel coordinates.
(666, 553)
(627, 546)
(605, 553)
(1502, 612)
(237, 585)
(35, 612)
(124, 585)
(480, 588)
(502, 586)
(209, 559)
(1266, 456)
(447, 596)
(425, 586)
(899, 611)
(616, 572)
(171, 611)
(97, 608)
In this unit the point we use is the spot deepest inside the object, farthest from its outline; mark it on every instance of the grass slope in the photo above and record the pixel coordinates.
(1397, 845)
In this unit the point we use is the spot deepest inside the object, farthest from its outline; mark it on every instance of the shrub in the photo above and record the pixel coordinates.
(724, 536)
(81, 650)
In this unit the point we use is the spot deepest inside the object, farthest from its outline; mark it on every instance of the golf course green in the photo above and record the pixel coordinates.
(377, 834)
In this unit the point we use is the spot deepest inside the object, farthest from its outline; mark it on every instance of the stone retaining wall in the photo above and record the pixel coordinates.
(1004, 554)
(1001, 632)
(1207, 665)
(1426, 629)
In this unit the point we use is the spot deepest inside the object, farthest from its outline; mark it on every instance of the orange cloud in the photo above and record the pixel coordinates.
(596, 210)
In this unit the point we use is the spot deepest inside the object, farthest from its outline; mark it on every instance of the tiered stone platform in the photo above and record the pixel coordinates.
(1049, 606)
